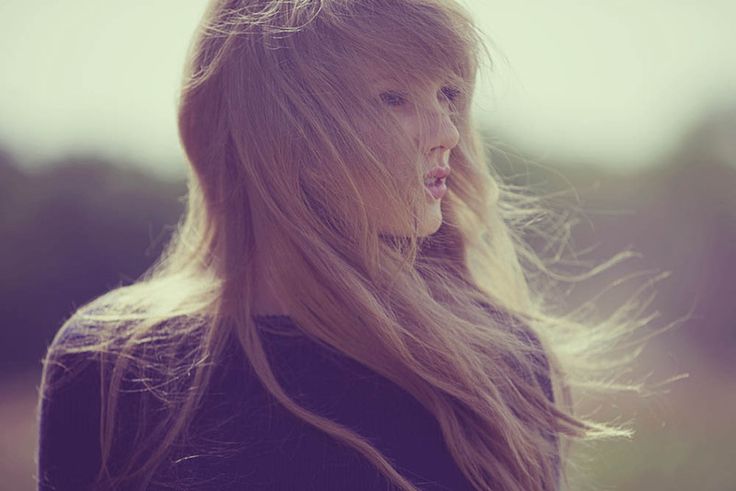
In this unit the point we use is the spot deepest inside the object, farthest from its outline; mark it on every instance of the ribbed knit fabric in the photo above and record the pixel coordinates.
(244, 440)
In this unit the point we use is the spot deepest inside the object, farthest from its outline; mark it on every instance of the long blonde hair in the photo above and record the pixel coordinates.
(280, 128)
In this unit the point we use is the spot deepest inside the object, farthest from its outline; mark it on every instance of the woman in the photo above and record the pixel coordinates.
(345, 304)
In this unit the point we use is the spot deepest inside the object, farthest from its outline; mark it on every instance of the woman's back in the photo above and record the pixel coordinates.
(241, 438)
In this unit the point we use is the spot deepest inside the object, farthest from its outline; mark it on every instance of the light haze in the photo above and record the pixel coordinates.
(613, 83)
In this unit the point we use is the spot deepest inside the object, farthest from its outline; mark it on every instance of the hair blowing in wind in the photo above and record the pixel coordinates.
(288, 145)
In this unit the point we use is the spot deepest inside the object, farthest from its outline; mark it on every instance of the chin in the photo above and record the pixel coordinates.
(432, 223)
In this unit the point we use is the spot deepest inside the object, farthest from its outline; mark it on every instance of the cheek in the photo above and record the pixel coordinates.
(408, 126)
(393, 140)
(404, 147)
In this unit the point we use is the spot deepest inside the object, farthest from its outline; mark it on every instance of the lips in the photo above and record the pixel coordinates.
(434, 181)
(438, 173)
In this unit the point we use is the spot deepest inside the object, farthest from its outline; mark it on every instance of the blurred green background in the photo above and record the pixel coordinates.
(632, 105)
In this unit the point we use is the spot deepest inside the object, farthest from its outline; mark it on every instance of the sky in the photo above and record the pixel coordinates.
(616, 83)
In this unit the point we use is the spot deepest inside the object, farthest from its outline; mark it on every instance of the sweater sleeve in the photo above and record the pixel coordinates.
(69, 423)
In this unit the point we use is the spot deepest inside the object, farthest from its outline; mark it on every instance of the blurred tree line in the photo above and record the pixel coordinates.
(68, 233)
(83, 225)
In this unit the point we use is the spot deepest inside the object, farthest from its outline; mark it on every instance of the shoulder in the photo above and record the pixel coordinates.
(72, 370)
(76, 392)
(71, 362)
(68, 413)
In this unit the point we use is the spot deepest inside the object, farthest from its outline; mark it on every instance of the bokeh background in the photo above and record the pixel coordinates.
(630, 105)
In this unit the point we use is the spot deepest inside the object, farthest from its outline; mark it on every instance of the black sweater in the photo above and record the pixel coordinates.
(271, 449)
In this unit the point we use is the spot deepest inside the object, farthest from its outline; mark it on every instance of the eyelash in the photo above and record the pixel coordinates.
(452, 93)
(398, 98)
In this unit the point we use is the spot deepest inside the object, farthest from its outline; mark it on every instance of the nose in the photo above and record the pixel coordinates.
(442, 133)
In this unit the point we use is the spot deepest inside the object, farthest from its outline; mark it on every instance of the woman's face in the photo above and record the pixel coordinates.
(424, 116)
